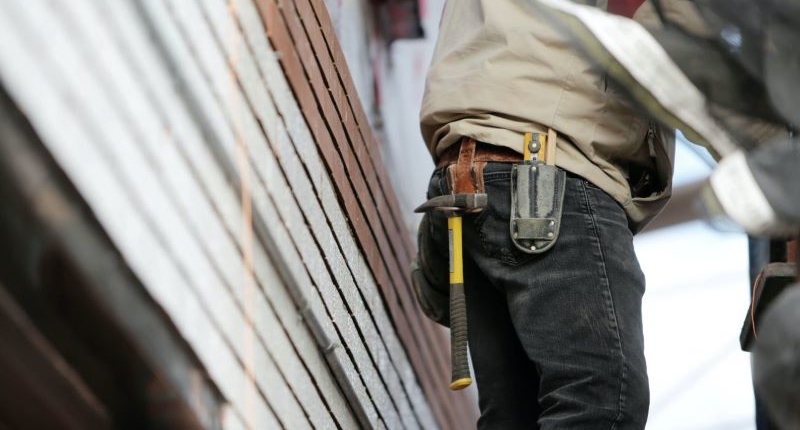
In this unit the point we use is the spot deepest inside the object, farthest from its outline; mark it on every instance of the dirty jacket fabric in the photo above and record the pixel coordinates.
(498, 72)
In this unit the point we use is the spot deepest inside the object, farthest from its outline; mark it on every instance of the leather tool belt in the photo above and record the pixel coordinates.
(465, 162)
(537, 186)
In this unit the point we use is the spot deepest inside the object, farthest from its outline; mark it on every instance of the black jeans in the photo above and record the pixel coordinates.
(555, 339)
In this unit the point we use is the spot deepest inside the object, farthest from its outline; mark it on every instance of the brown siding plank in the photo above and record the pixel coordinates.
(326, 26)
(285, 101)
(288, 47)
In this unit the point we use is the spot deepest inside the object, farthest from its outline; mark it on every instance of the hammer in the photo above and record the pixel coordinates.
(455, 205)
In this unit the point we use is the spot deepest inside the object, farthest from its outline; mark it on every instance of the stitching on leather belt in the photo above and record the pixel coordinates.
(464, 182)
(484, 152)
(466, 160)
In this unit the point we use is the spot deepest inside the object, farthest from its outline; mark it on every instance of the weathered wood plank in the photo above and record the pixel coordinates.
(302, 140)
(81, 76)
(293, 169)
(52, 111)
(323, 21)
(334, 84)
(382, 273)
(306, 24)
(269, 11)
(256, 201)
(162, 195)
(316, 266)
(301, 389)
(224, 197)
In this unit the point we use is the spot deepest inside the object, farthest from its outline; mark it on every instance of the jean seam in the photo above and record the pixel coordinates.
(609, 302)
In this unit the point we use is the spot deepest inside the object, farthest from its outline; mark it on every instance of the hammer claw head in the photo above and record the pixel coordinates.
(455, 203)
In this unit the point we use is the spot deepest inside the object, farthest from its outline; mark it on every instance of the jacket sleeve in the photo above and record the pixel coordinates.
(746, 130)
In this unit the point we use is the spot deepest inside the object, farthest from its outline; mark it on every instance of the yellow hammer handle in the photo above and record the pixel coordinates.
(458, 308)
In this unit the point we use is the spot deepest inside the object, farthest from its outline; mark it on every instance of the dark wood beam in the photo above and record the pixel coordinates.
(38, 387)
(95, 348)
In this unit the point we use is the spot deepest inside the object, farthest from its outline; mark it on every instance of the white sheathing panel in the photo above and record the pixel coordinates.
(161, 112)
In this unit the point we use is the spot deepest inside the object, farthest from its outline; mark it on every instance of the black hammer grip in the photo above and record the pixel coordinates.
(458, 338)
(458, 307)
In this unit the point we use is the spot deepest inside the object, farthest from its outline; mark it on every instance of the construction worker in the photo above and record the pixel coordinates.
(553, 287)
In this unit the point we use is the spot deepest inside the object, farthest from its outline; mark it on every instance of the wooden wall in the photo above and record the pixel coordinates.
(222, 147)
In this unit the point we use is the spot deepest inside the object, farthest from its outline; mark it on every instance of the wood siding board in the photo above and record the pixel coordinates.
(333, 118)
(296, 76)
(300, 136)
(340, 64)
(155, 193)
(356, 110)
(286, 105)
(343, 368)
(269, 11)
(412, 308)
(366, 162)
(330, 154)
(264, 361)
(313, 214)
(231, 420)
(185, 192)
(65, 130)
(314, 263)
(341, 86)
(321, 55)
(352, 295)
(298, 266)
(368, 207)
(217, 184)
(368, 132)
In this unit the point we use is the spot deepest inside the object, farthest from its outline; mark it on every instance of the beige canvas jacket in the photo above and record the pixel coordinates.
(498, 72)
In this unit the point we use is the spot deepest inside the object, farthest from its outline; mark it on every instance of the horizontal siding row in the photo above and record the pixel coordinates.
(234, 205)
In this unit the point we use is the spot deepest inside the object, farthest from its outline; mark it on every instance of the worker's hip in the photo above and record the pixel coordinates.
(573, 311)
(584, 206)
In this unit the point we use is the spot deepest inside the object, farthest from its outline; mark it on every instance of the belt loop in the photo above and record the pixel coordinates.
(463, 169)
(552, 140)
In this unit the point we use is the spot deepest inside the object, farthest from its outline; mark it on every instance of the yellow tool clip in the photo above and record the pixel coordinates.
(538, 147)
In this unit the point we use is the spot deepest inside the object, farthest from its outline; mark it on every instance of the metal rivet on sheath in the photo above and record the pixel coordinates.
(534, 146)
(550, 234)
(516, 235)
(552, 223)
(533, 247)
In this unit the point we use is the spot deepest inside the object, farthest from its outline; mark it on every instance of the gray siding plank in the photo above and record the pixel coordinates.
(155, 192)
(54, 111)
(295, 265)
(170, 166)
(254, 86)
(304, 387)
(275, 182)
(177, 179)
(104, 113)
(302, 139)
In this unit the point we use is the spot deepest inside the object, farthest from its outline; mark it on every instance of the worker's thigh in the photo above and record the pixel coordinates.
(506, 378)
(574, 310)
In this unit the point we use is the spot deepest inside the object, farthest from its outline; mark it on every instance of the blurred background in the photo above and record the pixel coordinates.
(697, 277)
(207, 223)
